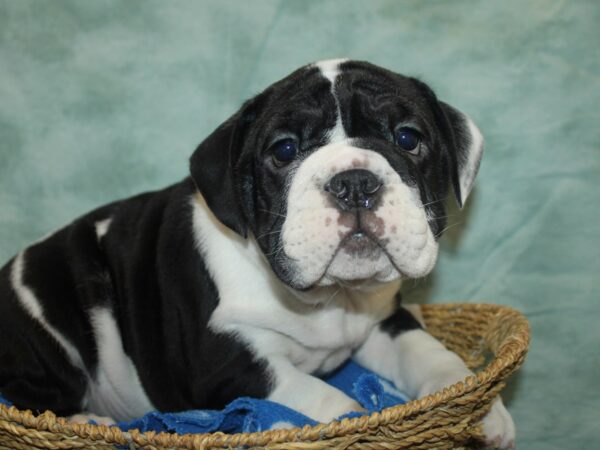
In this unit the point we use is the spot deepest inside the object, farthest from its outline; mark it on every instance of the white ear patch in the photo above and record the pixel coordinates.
(468, 165)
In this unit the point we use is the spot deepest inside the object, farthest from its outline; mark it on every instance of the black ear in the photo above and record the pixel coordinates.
(215, 167)
(466, 150)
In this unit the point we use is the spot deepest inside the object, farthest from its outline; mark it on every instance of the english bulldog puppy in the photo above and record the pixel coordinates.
(276, 260)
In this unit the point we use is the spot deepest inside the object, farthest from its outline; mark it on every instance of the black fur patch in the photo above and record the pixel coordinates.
(400, 321)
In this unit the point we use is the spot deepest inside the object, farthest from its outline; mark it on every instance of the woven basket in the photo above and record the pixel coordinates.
(493, 341)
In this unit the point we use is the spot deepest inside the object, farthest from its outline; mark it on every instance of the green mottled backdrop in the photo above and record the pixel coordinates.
(104, 99)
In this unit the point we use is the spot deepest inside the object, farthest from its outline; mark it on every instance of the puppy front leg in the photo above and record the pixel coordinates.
(401, 350)
(307, 394)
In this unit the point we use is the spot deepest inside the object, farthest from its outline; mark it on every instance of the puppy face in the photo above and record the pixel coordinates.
(340, 172)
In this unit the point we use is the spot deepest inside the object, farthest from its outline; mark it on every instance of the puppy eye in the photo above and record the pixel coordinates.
(408, 139)
(284, 151)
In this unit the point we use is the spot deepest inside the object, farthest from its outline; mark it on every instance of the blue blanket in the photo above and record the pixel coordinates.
(250, 415)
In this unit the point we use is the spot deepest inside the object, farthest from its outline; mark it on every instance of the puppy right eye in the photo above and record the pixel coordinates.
(284, 151)
(408, 139)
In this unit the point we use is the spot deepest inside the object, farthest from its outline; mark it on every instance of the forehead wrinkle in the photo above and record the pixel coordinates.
(306, 124)
(304, 93)
(393, 108)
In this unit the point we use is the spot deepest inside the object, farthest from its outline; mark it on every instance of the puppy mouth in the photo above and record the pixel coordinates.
(364, 252)
(362, 241)
(360, 244)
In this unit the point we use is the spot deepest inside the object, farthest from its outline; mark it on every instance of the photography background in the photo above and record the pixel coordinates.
(102, 100)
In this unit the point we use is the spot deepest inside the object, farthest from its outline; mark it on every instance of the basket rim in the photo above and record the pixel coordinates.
(509, 355)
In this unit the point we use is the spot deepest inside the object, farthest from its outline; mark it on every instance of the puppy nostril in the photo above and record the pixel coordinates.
(372, 188)
(337, 188)
(354, 189)
(341, 193)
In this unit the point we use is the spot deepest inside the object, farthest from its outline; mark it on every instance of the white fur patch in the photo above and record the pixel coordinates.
(282, 425)
(468, 170)
(31, 304)
(314, 227)
(116, 390)
(330, 68)
(102, 227)
(498, 427)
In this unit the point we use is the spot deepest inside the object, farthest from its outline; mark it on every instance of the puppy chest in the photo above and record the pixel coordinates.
(315, 343)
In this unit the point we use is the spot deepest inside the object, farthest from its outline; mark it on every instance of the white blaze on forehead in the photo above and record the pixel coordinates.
(314, 227)
(330, 69)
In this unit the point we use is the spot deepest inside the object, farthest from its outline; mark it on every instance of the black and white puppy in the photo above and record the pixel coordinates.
(278, 259)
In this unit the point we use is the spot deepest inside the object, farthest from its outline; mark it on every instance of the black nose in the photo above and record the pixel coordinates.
(354, 189)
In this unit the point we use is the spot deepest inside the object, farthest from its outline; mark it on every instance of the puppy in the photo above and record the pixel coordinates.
(279, 258)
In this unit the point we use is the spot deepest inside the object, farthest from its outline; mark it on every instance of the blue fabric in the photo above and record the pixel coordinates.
(249, 415)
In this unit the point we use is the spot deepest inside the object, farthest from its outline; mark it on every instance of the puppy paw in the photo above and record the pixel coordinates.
(86, 417)
(499, 428)
(328, 409)
(282, 425)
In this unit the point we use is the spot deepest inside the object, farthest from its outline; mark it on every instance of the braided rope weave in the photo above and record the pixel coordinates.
(493, 341)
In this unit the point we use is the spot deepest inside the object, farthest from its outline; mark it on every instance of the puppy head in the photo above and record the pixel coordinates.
(340, 172)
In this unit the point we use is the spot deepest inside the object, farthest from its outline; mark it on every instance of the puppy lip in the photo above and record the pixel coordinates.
(360, 234)
(360, 243)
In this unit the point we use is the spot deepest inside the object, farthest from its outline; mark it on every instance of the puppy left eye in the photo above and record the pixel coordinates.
(408, 139)
(284, 151)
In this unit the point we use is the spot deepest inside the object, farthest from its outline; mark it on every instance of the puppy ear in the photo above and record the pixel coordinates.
(468, 148)
(215, 167)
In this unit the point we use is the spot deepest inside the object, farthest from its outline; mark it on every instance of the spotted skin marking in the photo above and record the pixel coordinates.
(373, 224)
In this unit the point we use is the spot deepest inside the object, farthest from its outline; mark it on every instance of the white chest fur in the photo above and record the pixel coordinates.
(315, 331)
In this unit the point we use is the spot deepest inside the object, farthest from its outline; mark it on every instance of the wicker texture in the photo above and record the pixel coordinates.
(445, 420)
